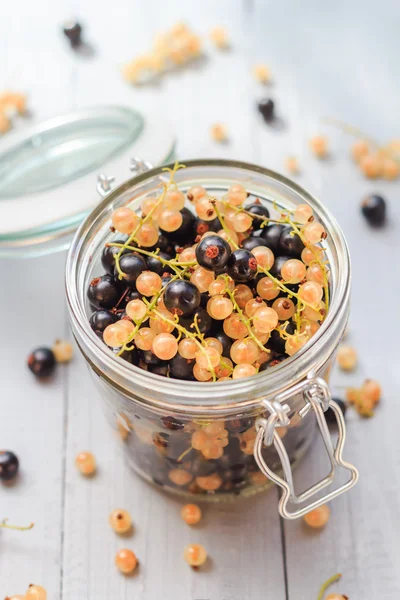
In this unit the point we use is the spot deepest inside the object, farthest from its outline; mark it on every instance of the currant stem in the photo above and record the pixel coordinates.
(5, 525)
(327, 583)
(243, 319)
(150, 306)
(224, 227)
(149, 214)
(190, 335)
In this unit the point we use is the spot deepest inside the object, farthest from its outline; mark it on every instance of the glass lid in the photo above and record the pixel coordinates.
(49, 172)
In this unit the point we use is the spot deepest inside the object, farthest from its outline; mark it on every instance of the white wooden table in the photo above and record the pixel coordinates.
(334, 59)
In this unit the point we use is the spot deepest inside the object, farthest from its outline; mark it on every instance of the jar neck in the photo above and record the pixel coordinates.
(197, 397)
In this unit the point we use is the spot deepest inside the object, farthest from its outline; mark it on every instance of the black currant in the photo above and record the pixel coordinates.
(201, 227)
(272, 363)
(242, 265)
(276, 343)
(181, 297)
(172, 423)
(73, 31)
(149, 358)
(373, 208)
(185, 233)
(131, 265)
(131, 356)
(204, 321)
(101, 319)
(266, 107)
(104, 292)
(238, 425)
(271, 235)
(42, 362)
(213, 253)
(157, 266)
(330, 415)
(108, 254)
(258, 209)
(181, 368)
(277, 266)
(252, 242)
(204, 298)
(133, 294)
(290, 243)
(9, 464)
(159, 369)
(225, 341)
(164, 245)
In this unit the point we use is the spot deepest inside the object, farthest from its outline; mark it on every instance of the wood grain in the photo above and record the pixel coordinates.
(326, 60)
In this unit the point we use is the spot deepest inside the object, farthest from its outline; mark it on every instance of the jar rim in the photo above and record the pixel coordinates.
(213, 396)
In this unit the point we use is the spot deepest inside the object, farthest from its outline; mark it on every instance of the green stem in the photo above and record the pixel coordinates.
(150, 306)
(190, 335)
(148, 216)
(224, 227)
(327, 583)
(5, 525)
(243, 319)
(318, 261)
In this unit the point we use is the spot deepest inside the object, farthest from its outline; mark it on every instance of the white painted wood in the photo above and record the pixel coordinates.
(32, 425)
(325, 60)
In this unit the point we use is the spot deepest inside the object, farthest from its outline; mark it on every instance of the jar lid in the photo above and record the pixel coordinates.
(48, 172)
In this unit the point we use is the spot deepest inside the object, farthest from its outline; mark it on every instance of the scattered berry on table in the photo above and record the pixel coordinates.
(85, 463)
(73, 31)
(195, 555)
(373, 208)
(126, 561)
(336, 597)
(262, 73)
(120, 520)
(173, 48)
(267, 108)
(62, 351)
(319, 146)
(318, 517)
(219, 37)
(365, 398)
(191, 514)
(346, 358)
(390, 169)
(42, 362)
(219, 132)
(359, 149)
(292, 165)
(371, 166)
(9, 465)
(371, 389)
(36, 592)
(15, 597)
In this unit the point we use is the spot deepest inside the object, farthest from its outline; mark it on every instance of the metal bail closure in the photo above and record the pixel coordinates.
(104, 184)
(317, 397)
(137, 166)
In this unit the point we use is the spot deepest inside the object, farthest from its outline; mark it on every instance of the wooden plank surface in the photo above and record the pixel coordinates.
(336, 61)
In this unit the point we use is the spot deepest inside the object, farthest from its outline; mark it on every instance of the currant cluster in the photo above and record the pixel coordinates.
(209, 289)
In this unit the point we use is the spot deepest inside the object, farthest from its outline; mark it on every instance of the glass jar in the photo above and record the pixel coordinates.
(256, 426)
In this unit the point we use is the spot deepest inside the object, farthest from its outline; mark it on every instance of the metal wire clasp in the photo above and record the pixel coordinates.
(317, 397)
(137, 165)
